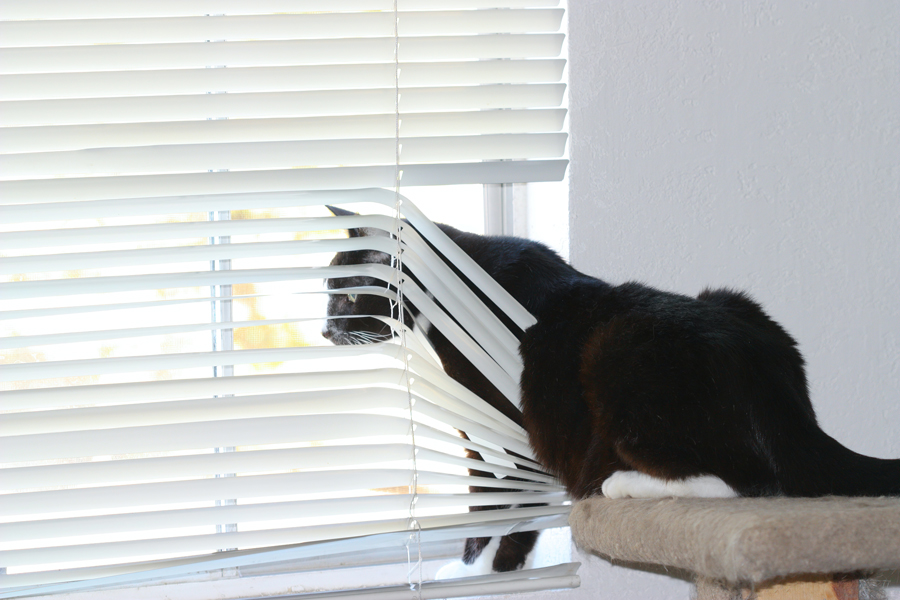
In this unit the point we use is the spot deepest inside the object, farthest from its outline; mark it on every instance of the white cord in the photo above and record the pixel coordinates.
(415, 584)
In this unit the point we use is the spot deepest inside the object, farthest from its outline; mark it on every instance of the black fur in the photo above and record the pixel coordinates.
(674, 386)
(628, 377)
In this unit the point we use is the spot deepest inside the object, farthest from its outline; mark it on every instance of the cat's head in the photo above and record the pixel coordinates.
(344, 331)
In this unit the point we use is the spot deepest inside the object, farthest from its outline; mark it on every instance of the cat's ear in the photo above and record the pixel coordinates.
(357, 232)
(340, 212)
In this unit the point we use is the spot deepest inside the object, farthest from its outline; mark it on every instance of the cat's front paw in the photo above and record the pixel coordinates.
(630, 484)
(470, 566)
(633, 484)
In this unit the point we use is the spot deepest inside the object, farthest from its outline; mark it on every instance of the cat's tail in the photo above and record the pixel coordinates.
(833, 469)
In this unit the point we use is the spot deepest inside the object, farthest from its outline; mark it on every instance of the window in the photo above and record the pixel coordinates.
(169, 408)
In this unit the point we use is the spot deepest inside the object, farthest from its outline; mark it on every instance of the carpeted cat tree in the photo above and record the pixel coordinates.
(744, 548)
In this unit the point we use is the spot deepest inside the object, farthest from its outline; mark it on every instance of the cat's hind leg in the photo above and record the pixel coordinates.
(514, 551)
(634, 484)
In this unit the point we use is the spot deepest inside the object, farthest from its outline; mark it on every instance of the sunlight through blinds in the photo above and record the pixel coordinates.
(170, 410)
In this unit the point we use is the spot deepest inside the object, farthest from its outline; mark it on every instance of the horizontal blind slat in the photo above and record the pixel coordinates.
(167, 30)
(48, 86)
(198, 436)
(119, 57)
(319, 402)
(106, 498)
(336, 400)
(123, 283)
(173, 437)
(269, 511)
(85, 474)
(130, 574)
(275, 104)
(160, 494)
(190, 229)
(129, 393)
(430, 384)
(66, 368)
(76, 141)
(88, 308)
(135, 332)
(241, 156)
(96, 9)
(75, 137)
(167, 468)
(179, 193)
(173, 254)
(261, 538)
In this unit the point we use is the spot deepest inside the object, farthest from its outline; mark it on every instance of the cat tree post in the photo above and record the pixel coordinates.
(766, 548)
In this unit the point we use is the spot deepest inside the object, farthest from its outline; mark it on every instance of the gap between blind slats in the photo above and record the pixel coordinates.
(436, 550)
(381, 196)
(18, 113)
(277, 155)
(99, 578)
(479, 321)
(434, 235)
(98, 9)
(475, 586)
(488, 332)
(160, 494)
(86, 84)
(98, 284)
(169, 30)
(259, 513)
(30, 200)
(134, 573)
(502, 298)
(259, 538)
(118, 57)
(558, 577)
(503, 374)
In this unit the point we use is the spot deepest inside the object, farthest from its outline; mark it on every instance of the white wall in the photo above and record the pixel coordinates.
(755, 145)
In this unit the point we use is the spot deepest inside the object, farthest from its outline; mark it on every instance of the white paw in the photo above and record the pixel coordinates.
(482, 565)
(452, 570)
(633, 484)
(705, 486)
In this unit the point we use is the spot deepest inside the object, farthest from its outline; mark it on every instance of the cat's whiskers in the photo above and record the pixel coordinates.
(364, 337)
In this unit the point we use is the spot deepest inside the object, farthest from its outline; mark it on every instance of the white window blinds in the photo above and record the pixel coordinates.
(168, 408)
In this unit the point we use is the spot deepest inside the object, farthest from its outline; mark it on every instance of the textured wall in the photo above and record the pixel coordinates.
(753, 145)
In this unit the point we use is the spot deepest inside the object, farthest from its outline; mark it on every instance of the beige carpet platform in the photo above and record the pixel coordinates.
(746, 542)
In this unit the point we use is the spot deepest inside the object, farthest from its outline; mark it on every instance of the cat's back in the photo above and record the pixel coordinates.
(528, 270)
(633, 337)
(717, 328)
(689, 375)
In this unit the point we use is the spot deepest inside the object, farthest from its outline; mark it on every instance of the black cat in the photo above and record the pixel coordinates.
(629, 390)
